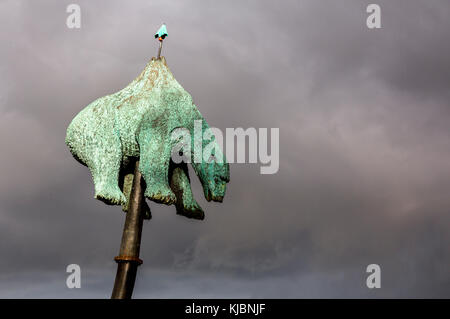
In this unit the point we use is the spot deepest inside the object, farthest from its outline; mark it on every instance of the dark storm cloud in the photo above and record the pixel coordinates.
(364, 146)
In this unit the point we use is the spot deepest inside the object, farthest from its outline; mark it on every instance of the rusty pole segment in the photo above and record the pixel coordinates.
(128, 259)
(160, 48)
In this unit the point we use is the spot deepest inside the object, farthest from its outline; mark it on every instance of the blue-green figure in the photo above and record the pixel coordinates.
(137, 122)
(161, 34)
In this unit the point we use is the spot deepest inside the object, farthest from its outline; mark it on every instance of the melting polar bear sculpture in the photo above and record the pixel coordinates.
(136, 123)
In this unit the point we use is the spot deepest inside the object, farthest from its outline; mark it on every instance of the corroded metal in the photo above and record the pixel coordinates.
(125, 139)
(137, 122)
(160, 48)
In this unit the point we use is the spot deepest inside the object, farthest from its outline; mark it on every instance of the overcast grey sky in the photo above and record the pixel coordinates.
(364, 118)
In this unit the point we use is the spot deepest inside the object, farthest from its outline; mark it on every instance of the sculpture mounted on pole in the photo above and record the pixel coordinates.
(122, 136)
(161, 34)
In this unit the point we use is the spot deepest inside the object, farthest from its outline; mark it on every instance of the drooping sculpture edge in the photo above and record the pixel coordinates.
(137, 122)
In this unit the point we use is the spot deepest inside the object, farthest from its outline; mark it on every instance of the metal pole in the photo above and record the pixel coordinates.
(128, 259)
(160, 48)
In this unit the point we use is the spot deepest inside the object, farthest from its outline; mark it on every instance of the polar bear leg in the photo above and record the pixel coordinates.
(104, 166)
(154, 166)
(181, 186)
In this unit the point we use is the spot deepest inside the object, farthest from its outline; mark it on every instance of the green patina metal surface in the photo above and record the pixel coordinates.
(113, 131)
(162, 32)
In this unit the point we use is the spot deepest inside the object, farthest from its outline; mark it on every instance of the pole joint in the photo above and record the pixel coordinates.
(131, 259)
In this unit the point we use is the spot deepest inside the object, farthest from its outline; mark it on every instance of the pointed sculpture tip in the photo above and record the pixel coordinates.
(161, 58)
(161, 34)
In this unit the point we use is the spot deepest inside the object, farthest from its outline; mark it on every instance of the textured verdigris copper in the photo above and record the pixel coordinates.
(136, 123)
